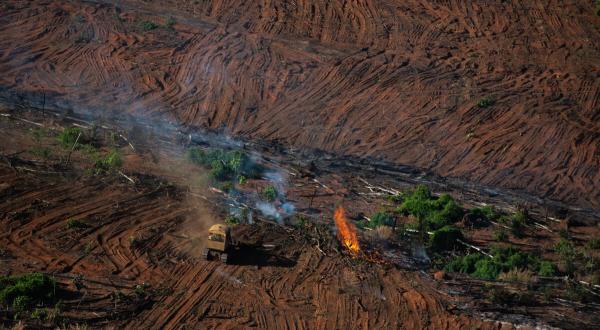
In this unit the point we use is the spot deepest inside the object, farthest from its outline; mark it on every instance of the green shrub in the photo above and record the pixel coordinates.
(74, 223)
(148, 25)
(38, 134)
(433, 213)
(504, 259)
(445, 238)
(109, 162)
(242, 179)
(225, 165)
(547, 269)
(380, 219)
(567, 254)
(27, 290)
(465, 264)
(269, 193)
(522, 215)
(22, 303)
(485, 102)
(517, 227)
(486, 213)
(487, 269)
(594, 243)
(232, 220)
(38, 314)
(501, 235)
(68, 136)
(169, 23)
(41, 152)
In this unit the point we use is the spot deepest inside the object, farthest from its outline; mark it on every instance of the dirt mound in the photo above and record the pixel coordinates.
(504, 93)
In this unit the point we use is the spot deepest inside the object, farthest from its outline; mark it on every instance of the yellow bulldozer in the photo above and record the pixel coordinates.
(219, 243)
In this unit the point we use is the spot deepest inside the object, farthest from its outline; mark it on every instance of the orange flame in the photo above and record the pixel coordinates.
(346, 230)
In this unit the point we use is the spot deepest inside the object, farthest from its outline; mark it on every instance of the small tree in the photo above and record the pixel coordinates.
(270, 193)
(445, 238)
(568, 255)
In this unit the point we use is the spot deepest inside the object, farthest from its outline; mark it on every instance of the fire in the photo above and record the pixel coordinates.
(346, 230)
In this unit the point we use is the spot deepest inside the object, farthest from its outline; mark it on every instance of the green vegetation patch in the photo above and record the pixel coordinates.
(108, 163)
(25, 291)
(485, 102)
(378, 219)
(445, 238)
(568, 255)
(594, 243)
(76, 224)
(503, 259)
(270, 193)
(225, 165)
(148, 25)
(432, 212)
(68, 137)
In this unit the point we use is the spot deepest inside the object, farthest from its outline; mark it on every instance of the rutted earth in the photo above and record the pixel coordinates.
(285, 277)
(149, 234)
(393, 80)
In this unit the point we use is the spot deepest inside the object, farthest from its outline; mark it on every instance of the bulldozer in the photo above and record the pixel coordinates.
(219, 243)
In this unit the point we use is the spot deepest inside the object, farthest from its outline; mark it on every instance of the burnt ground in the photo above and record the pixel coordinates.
(149, 234)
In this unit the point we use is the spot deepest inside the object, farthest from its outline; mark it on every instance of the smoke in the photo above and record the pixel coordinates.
(279, 180)
(277, 213)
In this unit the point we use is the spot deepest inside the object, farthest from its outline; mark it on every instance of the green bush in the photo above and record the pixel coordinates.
(269, 193)
(148, 26)
(109, 162)
(501, 235)
(567, 254)
(220, 171)
(74, 223)
(41, 152)
(225, 165)
(487, 269)
(433, 213)
(465, 264)
(242, 179)
(485, 102)
(170, 23)
(504, 259)
(485, 213)
(232, 220)
(445, 238)
(27, 290)
(380, 219)
(594, 243)
(547, 269)
(517, 227)
(68, 136)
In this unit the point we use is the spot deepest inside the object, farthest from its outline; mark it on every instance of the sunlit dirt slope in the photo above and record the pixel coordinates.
(501, 92)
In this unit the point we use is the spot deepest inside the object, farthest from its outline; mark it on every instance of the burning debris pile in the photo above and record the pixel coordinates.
(346, 231)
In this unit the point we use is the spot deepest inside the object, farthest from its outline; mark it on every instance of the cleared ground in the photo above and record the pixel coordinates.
(503, 93)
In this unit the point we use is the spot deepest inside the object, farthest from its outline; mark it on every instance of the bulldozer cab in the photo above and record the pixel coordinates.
(219, 237)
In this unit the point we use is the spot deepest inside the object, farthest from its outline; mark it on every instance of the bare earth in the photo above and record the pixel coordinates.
(393, 80)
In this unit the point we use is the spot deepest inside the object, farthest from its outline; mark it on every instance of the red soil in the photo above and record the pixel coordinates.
(393, 80)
